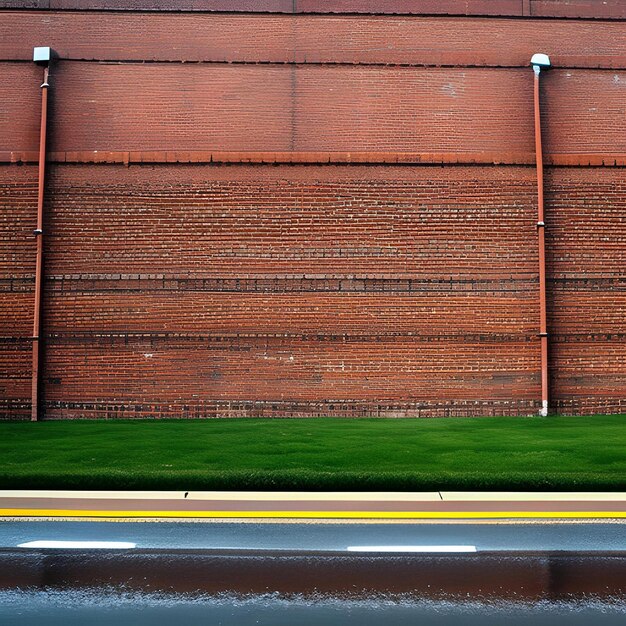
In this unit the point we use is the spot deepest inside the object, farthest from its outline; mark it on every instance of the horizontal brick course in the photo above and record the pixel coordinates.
(312, 108)
(313, 39)
(607, 9)
(311, 157)
(286, 370)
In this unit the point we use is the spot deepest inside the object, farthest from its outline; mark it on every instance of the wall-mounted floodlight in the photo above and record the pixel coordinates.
(42, 55)
(540, 61)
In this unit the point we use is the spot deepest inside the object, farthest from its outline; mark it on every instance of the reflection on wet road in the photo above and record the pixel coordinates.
(240, 574)
(323, 536)
(101, 608)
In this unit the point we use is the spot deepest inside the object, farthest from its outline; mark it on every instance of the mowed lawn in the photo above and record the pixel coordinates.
(556, 453)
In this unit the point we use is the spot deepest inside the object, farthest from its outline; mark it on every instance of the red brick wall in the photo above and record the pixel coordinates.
(592, 9)
(215, 289)
(362, 39)
(278, 107)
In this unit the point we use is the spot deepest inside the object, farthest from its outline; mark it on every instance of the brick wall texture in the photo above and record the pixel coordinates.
(288, 209)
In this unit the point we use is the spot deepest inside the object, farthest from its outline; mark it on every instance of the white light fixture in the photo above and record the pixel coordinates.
(540, 61)
(42, 55)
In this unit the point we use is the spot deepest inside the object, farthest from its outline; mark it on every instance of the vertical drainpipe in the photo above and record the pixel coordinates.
(539, 62)
(41, 56)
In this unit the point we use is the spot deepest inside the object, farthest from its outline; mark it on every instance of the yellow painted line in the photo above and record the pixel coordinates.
(314, 514)
(324, 521)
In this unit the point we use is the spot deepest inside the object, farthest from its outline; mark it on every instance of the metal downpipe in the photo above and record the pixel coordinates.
(39, 236)
(541, 233)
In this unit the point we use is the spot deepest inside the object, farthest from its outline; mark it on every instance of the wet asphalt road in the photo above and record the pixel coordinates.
(105, 609)
(323, 536)
(53, 603)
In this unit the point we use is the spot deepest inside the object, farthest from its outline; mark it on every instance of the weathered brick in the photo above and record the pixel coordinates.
(344, 237)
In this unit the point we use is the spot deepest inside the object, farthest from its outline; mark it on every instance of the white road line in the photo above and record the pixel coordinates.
(411, 549)
(72, 545)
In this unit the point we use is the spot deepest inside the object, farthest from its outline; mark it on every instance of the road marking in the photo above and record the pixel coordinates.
(74, 545)
(411, 549)
(315, 514)
(321, 521)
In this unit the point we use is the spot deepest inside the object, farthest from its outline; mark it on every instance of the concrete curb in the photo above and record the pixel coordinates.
(434, 496)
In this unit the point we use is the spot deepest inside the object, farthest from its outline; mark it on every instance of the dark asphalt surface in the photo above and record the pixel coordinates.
(105, 609)
(323, 536)
(53, 605)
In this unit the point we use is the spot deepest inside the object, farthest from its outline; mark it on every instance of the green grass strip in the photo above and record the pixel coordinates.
(545, 454)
